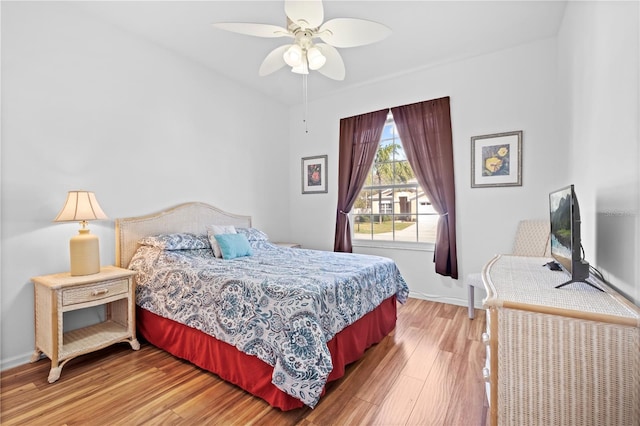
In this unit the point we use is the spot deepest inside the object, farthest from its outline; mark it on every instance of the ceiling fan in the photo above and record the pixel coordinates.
(304, 26)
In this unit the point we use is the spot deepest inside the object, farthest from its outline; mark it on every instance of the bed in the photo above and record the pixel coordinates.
(278, 322)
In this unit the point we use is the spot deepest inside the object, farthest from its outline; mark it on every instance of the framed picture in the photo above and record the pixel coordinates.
(314, 174)
(496, 160)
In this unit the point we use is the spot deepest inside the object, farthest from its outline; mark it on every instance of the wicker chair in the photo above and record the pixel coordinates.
(532, 239)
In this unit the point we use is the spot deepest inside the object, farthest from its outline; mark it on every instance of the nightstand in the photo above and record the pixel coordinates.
(289, 245)
(114, 288)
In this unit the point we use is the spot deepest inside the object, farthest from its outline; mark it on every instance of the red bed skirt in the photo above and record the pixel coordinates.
(251, 373)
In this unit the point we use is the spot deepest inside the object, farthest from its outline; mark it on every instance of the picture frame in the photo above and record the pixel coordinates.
(496, 160)
(314, 174)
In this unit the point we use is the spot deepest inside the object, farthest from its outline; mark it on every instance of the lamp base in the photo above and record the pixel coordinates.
(84, 251)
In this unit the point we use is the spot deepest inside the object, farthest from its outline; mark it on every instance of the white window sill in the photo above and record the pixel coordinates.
(395, 245)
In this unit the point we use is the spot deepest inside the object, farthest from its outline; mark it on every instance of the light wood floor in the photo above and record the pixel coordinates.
(426, 372)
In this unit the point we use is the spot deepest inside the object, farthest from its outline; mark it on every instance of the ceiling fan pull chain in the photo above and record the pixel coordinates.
(305, 101)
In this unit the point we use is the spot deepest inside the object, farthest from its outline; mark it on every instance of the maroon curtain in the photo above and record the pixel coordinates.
(359, 139)
(425, 131)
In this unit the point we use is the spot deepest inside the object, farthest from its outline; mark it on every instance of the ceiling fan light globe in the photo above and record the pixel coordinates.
(293, 56)
(316, 58)
(301, 69)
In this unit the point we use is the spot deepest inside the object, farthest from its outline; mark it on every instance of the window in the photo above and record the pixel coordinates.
(391, 205)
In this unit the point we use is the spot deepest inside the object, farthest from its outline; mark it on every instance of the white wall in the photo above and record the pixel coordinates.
(599, 77)
(509, 90)
(88, 106)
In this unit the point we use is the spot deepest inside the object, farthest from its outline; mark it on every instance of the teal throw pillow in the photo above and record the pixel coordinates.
(233, 245)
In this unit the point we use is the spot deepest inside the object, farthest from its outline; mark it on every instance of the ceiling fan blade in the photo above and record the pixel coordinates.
(274, 61)
(334, 67)
(351, 32)
(306, 14)
(258, 30)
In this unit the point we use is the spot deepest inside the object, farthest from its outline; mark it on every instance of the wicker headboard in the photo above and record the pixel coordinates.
(188, 217)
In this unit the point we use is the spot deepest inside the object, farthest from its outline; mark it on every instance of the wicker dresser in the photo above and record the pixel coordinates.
(568, 356)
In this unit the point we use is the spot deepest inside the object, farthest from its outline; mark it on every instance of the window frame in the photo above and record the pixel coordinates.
(394, 244)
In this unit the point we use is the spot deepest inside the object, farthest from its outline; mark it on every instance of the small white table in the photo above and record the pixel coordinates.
(289, 245)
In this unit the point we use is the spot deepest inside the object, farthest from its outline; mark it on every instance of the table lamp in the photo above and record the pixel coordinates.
(84, 248)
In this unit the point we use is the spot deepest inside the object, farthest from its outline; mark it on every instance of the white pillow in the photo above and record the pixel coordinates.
(213, 230)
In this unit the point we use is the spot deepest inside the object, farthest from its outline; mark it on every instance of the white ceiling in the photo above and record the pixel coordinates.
(424, 33)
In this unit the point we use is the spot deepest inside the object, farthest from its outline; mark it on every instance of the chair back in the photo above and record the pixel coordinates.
(532, 239)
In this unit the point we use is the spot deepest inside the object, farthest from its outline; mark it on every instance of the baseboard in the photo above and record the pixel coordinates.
(442, 299)
(16, 361)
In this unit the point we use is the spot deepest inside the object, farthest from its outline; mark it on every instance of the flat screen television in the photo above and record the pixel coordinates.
(566, 246)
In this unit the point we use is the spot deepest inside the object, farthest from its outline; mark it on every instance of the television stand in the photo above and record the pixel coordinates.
(558, 357)
(579, 281)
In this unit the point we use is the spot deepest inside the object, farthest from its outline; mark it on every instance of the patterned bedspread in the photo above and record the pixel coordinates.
(280, 304)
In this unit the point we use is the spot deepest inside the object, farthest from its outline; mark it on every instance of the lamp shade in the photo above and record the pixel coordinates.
(84, 248)
(301, 69)
(80, 206)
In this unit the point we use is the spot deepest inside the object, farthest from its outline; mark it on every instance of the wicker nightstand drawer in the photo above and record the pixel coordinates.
(93, 292)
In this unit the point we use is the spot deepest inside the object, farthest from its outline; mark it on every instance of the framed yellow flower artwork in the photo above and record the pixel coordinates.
(496, 160)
